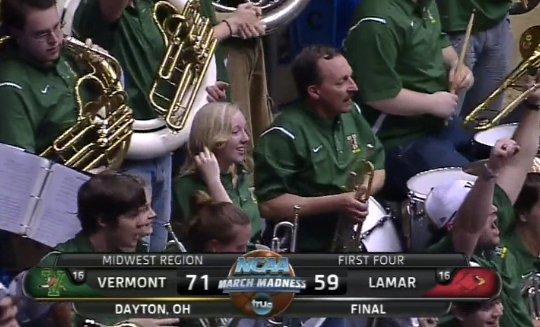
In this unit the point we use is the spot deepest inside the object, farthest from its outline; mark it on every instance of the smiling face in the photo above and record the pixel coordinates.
(487, 316)
(41, 37)
(234, 150)
(336, 88)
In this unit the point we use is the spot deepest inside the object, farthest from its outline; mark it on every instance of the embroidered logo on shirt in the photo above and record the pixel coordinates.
(430, 17)
(353, 142)
(45, 89)
(317, 149)
(501, 251)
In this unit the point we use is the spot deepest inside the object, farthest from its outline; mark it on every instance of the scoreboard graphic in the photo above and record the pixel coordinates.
(260, 284)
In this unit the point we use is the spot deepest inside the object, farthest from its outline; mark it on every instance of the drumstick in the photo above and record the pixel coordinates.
(463, 52)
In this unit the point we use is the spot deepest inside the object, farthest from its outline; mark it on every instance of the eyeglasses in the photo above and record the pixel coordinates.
(55, 31)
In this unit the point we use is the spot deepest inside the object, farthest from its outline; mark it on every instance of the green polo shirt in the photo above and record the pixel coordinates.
(455, 14)
(135, 41)
(303, 154)
(38, 102)
(241, 194)
(394, 45)
(510, 261)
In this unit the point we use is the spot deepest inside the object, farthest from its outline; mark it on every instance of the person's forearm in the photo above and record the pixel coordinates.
(222, 31)
(450, 56)
(218, 192)
(406, 103)
(526, 136)
(282, 207)
(378, 181)
(473, 213)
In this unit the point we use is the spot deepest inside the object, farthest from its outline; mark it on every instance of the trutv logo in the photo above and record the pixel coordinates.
(262, 304)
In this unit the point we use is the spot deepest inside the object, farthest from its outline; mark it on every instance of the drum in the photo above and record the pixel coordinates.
(379, 233)
(416, 228)
(484, 141)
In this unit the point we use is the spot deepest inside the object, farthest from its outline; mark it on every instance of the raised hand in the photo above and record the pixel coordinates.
(503, 151)
(207, 166)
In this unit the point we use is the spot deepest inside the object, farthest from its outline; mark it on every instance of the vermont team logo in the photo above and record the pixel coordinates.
(54, 281)
(353, 142)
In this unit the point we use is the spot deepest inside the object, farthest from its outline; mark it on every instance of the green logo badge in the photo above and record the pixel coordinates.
(54, 281)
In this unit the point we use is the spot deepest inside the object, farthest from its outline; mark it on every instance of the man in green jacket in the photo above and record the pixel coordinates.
(496, 223)
(489, 51)
(307, 154)
(127, 30)
(405, 67)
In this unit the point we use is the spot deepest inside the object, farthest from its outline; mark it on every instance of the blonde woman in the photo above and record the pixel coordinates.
(217, 164)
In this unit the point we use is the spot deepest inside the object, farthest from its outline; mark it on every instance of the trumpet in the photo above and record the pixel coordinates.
(530, 290)
(347, 236)
(174, 243)
(529, 47)
(277, 243)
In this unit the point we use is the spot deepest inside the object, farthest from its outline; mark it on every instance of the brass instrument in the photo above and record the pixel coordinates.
(531, 290)
(529, 46)
(276, 13)
(174, 245)
(92, 323)
(190, 46)
(347, 235)
(102, 133)
(277, 243)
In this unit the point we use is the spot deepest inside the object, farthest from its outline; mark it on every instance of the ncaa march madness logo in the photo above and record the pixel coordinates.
(262, 284)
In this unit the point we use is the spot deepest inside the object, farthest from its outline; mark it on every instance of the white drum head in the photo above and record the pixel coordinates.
(491, 136)
(424, 182)
(384, 238)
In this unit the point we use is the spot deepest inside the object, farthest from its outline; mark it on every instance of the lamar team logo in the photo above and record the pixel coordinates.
(54, 281)
(262, 284)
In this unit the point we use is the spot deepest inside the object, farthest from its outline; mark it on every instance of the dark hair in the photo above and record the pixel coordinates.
(528, 196)
(13, 12)
(468, 308)
(212, 221)
(305, 67)
(107, 196)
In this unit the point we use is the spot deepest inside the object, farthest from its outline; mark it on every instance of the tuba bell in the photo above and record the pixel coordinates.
(179, 88)
(276, 13)
(347, 236)
(101, 135)
(529, 47)
(290, 236)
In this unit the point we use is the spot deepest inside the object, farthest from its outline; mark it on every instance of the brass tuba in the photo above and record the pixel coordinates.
(276, 13)
(347, 236)
(529, 47)
(178, 91)
(102, 133)
(290, 236)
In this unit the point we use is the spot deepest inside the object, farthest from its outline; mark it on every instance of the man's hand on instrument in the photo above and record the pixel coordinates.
(503, 151)
(91, 45)
(353, 208)
(149, 322)
(460, 78)
(533, 98)
(246, 21)
(8, 312)
(208, 166)
(443, 103)
(217, 92)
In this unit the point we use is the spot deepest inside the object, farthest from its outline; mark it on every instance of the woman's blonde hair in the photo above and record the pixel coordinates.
(211, 128)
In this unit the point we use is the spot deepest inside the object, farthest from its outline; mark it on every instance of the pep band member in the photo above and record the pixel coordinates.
(217, 163)
(485, 216)
(306, 156)
(217, 227)
(115, 212)
(127, 30)
(478, 314)
(404, 67)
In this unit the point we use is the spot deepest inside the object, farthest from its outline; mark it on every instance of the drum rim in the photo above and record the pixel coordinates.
(428, 172)
(475, 137)
(372, 199)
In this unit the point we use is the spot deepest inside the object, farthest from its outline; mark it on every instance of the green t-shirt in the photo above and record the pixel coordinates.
(38, 102)
(455, 14)
(305, 155)
(242, 195)
(136, 42)
(508, 260)
(394, 45)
